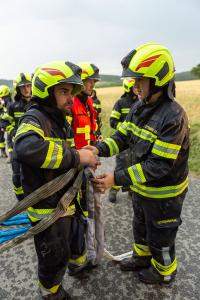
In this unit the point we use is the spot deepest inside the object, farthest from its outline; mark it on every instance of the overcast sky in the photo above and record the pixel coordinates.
(33, 32)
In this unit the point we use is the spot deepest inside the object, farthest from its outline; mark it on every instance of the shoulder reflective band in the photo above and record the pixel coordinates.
(125, 110)
(115, 114)
(136, 173)
(18, 114)
(160, 192)
(166, 150)
(114, 149)
(25, 127)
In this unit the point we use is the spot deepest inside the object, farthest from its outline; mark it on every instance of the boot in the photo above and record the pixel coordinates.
(3, 153)
(60, 295)
(135, 263)
(152, 276)
(74, 270)
(112, 195)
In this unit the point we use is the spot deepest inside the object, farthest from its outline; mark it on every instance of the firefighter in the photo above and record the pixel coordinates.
(97, 107)
(6, 101)
(83, 113)
(84, 126)
(2, 130)
(15, 111)
(118, 116)
(41, 149)
(156, 130)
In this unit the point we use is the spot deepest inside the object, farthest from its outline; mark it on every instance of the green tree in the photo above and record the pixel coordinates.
(196, 71)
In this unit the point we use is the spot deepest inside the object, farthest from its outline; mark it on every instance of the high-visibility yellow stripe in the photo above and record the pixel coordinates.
(116, 187)
(114, 149)
(9, 128)
(164, 270)
(141, 132)
(18, 114)
(18, 190)
(81, 260)
(25, 127)
(49, 155)
(123, 128)
(125, 110)
(136, 173)
(142, 250)
(118, 125)
(160, 192)
(54, 156)
(115, 114)
(2, 145)
(59, 157)
(36, 214)
(52, 290)
(166, 150)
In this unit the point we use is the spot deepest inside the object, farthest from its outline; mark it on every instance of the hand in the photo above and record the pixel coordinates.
(92, 148)
(104, 181)
(87, 157)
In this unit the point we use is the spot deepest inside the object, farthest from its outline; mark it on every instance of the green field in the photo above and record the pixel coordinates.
(188, 94)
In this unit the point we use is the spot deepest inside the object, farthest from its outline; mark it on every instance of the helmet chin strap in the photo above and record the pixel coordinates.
(152, 91)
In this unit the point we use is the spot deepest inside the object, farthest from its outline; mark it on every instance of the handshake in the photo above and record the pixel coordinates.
(89, 156)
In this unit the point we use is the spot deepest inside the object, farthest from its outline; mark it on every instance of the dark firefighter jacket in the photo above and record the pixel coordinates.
(158, 136)
(5, 119)
(15, 111)
(121, 109)
(40, 147)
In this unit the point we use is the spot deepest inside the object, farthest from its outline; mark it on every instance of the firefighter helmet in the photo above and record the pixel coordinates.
(89, 71)
(149, 60)
(54, 73)
(128, 83)
(4, 91)
(22, 79)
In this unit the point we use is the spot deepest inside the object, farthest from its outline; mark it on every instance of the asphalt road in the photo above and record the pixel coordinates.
(18, 279)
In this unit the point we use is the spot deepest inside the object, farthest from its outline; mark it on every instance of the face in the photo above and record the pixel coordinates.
(63, 96)
(25, 90)
(141, 87)
(88, 86)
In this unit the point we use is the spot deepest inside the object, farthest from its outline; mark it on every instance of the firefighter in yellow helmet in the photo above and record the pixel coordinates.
(84, 115)
(84, 125)
(157, 132)
(41, 149)
(15, 111)
(5, 101)
(118, 116)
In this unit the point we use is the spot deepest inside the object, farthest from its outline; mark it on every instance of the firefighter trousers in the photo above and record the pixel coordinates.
(54, 247)
(155, 225)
